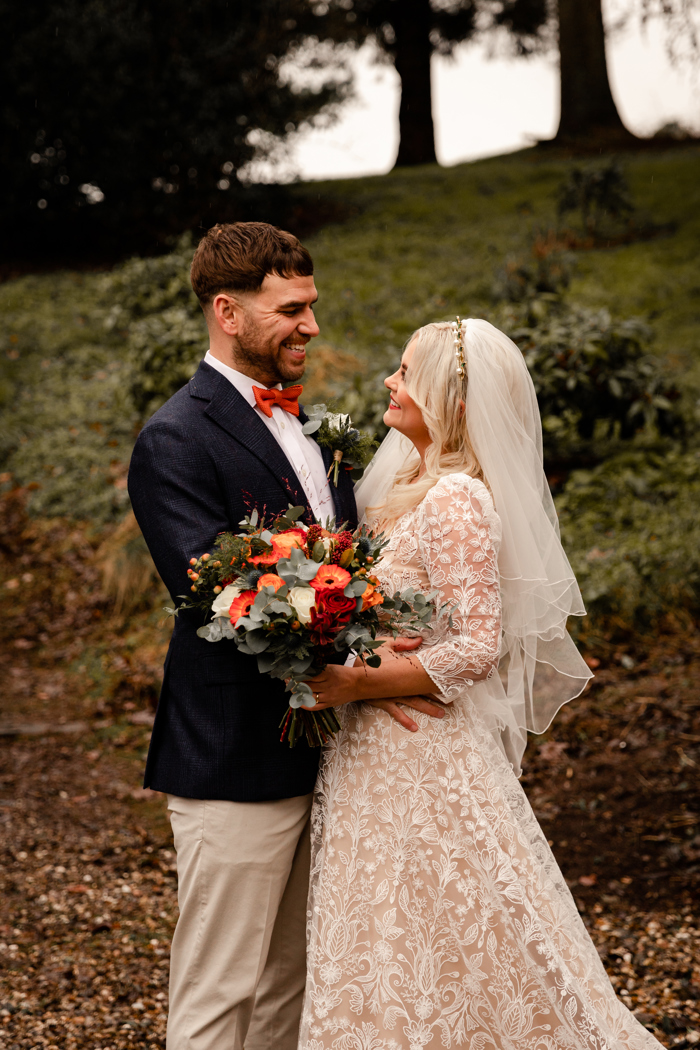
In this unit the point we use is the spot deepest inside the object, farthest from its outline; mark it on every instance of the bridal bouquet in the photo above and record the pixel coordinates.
(293, 596)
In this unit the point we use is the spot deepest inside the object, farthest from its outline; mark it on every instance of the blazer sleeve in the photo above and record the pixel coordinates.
(177, 499)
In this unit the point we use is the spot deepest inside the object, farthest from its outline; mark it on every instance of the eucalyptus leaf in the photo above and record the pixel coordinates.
(301, 665)
(311, 427)
(257, 641)
(308, 571)
(267, 661)
(210, 632)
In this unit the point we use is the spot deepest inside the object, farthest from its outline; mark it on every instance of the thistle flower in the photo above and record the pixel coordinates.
(251, 579)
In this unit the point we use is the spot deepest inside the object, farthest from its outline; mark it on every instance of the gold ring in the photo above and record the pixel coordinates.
(317, 696)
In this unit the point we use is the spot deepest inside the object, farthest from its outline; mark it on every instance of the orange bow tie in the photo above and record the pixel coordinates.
(286, 399)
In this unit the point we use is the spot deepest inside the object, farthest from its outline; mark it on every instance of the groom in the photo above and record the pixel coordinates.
(239, 800)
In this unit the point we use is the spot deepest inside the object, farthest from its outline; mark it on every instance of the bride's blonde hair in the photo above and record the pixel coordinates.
(433, 383)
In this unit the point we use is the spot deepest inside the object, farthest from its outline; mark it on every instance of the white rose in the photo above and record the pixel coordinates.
(338, 419)
(303, 599)
(222, 602)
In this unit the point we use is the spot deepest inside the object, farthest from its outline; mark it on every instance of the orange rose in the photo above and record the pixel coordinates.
(283, 542)
(240, 606)
(371, 597)
(331, 578)
(270, 579)
(269, 558)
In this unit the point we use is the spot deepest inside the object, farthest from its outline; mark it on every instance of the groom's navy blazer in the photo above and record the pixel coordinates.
(200, 464)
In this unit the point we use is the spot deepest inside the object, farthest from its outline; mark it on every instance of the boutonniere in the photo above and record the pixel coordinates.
(334, 430)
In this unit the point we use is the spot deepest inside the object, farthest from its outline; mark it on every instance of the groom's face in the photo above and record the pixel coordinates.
(275, 325)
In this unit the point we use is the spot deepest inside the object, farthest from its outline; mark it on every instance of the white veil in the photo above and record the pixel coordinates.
(540, 668)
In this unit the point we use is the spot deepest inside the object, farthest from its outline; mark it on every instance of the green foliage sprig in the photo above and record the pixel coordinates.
(351, 447)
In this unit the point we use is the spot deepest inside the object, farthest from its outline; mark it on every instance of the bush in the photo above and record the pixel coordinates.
(596, 193)
(630, 528)
(595, 378)
(153, 302)
(67, 422)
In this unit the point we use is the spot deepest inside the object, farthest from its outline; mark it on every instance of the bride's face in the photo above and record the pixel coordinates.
(403, 413)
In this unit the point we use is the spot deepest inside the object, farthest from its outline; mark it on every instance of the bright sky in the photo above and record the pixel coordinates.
(483, 107)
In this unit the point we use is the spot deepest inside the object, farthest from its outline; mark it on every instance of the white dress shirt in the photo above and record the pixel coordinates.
(302, 452)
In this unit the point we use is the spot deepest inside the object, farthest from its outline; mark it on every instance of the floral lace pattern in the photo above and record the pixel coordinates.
(437, 913)
(449, 545)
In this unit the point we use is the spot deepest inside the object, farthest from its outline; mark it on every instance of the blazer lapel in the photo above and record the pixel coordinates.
(232, 413)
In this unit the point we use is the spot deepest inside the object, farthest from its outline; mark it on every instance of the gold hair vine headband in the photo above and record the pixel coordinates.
(459, 347)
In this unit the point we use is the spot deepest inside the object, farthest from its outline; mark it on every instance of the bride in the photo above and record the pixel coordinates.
(438, 915)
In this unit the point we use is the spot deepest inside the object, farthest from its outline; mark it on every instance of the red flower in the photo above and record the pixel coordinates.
(336, 602)
(240, 606)
(325, 625)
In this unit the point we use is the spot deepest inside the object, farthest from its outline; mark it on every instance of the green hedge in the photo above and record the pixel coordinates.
(630, 527)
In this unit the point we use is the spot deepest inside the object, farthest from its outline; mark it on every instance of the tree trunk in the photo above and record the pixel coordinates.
(588, 109)
(413, 50)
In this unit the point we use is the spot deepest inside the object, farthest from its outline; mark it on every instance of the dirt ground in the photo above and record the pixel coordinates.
(87, 884)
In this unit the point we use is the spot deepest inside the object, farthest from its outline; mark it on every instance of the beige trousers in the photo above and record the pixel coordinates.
(238, 960)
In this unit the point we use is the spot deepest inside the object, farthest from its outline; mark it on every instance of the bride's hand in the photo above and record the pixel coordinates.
(337, 684)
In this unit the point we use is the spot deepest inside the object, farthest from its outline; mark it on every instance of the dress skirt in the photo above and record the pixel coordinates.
(438, 916)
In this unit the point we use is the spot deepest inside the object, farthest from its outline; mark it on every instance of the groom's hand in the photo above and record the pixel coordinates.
(417, 703)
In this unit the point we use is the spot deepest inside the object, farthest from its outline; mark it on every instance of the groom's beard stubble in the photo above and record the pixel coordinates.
(265, 358)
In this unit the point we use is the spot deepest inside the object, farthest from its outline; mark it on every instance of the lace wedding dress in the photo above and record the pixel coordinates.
(438, 915)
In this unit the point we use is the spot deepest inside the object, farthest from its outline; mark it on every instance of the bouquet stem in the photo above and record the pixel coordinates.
(317, 726)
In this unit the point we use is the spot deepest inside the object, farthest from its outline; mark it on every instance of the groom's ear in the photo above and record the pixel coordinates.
(226, 312)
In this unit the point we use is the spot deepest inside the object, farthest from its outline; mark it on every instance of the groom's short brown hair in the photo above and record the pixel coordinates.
(237, 256)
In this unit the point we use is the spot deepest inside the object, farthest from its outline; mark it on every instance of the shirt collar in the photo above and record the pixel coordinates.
(243, 383)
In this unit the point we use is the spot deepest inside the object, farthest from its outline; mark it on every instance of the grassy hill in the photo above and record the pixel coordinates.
(401, 250)
(424, 244)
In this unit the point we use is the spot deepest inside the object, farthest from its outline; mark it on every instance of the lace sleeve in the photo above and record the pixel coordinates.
(458, 538)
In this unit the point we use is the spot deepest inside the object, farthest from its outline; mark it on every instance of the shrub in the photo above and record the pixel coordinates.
(630, 528)
(153, 302)
(67, 424)
(594, 377)
(596, 193)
